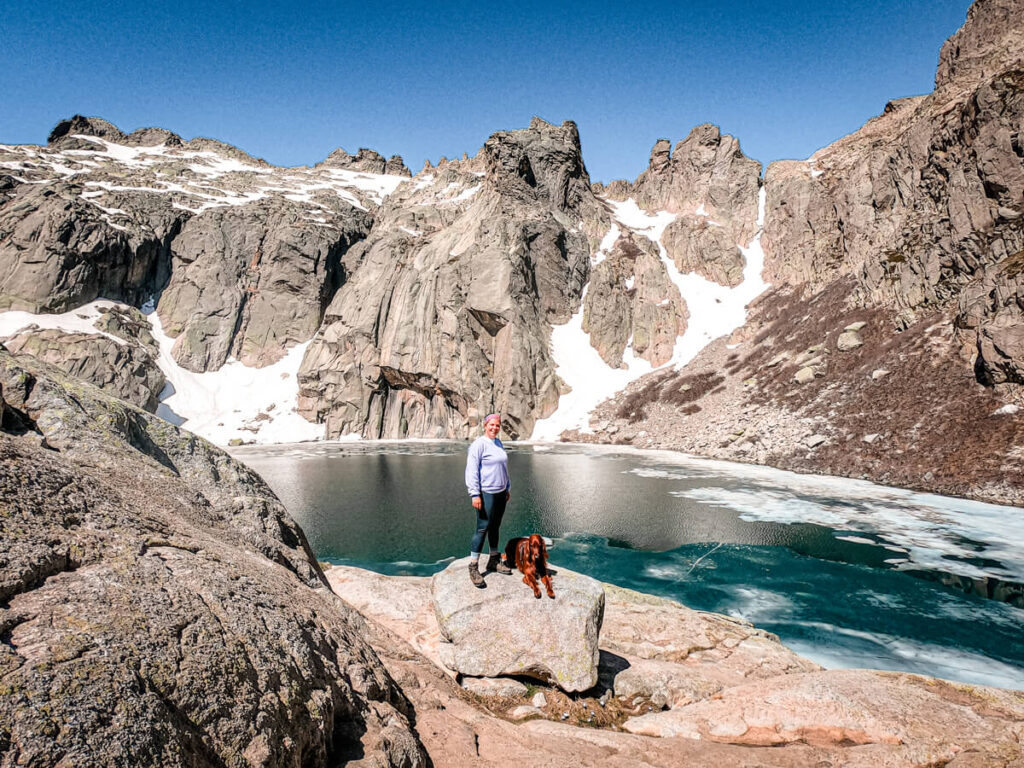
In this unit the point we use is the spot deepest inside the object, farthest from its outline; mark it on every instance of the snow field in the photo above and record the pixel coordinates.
(235, 402)
(714, 311)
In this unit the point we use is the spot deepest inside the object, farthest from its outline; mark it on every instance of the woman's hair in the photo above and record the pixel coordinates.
(492, 416)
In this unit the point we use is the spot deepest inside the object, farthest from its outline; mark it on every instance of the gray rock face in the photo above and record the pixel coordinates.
(256, 249)
(126, 369)
(60, 251)
(253, 280)
(631, 296)
(161, 602)
(990, 42)
(923, 205)
(704, 169)
(446, 316)
(503, 630)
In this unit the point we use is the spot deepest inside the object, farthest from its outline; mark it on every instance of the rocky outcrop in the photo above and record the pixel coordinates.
(631, 301)
(968, 724)
(673, 655)
(64, 133)
(503, 630)
(254, 280)
(924, 205)
(447, 316)
(989, 43)
(59, 250)
(713, 188)
(701, 245)
(159, 606)
(123, 362)
(366, 160)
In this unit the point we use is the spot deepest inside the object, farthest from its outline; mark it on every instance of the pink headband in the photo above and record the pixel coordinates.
(492, 416)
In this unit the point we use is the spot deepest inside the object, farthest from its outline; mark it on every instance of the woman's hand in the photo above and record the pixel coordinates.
(478, 503)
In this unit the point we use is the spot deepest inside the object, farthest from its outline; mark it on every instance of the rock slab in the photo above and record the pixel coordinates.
(504, 630)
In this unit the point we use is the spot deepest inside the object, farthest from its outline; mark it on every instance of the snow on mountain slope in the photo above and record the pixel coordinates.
(197, 180)
(235, 402)
(714, 311)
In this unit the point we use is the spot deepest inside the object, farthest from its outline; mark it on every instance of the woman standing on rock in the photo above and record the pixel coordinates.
(488, 486)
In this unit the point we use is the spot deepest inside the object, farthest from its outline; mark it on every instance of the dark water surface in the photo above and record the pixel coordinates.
(845, 572)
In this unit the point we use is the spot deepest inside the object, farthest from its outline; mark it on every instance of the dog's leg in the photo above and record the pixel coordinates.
(531, 582)
(547, 583)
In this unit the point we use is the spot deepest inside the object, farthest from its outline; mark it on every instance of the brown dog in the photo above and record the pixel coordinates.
(529, 555)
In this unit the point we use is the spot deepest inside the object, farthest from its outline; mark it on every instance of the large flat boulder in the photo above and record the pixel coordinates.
(504, 630)
(923, 720)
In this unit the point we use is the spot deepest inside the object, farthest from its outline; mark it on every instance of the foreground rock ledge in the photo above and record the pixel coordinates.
(159, 607)
(736, 696)
(504, 630)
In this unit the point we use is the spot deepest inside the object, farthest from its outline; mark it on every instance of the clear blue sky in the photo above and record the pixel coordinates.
(289, 82)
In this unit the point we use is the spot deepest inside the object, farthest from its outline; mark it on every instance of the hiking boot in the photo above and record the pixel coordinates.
(494, 564)
(475, 577)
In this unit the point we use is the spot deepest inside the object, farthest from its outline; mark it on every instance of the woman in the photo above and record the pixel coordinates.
(488, 486)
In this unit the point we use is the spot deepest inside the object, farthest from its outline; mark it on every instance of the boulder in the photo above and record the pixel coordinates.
(804, 375)
(505, 687)
(849, 340)
(504, 630)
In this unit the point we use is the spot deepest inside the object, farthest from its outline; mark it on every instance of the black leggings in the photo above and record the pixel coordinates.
(488, 521)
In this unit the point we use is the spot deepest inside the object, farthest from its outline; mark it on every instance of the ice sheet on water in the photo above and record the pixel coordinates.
(938, 533)
(852, 649)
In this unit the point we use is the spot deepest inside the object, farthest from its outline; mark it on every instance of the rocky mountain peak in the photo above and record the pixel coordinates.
(366, 161)
(63, 134)
(990, 41)
(661, 156)
(542, 162)
(153, 137)
(88, 126)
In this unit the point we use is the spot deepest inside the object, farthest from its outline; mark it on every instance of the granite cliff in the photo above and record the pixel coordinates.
(890, 344)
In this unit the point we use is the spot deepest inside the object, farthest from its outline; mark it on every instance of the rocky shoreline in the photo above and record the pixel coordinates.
(710, 688)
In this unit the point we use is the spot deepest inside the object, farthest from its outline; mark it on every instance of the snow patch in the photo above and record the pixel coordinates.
(81, 320)
(592, 380)
(236, 401)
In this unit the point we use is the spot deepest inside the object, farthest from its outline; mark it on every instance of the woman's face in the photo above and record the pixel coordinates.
(492, 428)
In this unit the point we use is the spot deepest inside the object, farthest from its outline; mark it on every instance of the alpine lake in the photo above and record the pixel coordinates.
(845, 572)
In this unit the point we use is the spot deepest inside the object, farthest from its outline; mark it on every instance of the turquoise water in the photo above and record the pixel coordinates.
(845, 572)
